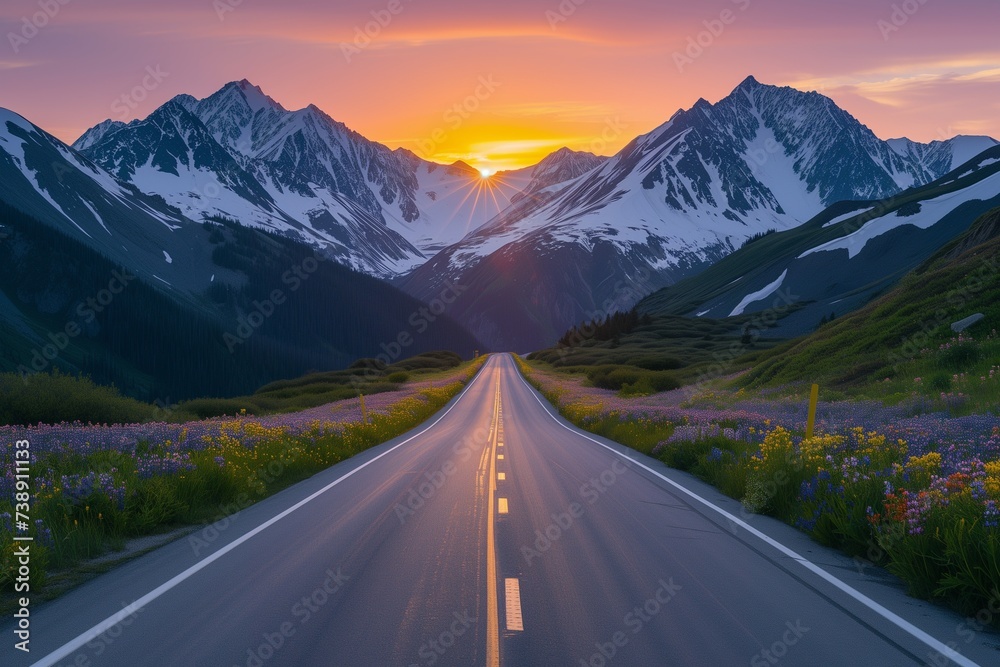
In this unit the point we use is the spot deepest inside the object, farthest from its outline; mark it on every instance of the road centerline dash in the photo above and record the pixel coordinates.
(512, 590)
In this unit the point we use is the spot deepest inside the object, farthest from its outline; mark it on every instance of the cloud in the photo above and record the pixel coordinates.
(899, 86)
(16, 64)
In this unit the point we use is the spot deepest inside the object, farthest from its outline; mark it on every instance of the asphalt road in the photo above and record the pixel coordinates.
(494, 534)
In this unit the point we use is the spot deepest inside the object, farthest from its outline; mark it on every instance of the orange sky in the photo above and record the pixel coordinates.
(500, 85)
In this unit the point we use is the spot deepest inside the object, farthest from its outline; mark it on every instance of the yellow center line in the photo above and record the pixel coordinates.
(492, 607)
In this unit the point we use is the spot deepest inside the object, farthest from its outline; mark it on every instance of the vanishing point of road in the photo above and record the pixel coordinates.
(494, 534)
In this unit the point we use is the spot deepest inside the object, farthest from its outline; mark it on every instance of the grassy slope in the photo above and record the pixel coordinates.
(896, 336)
(884, 339)
(53, 398)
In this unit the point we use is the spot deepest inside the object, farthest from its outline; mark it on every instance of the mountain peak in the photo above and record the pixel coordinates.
(255, 97)
(566, 153)
(750, 83)
(189, 102)
(462, 167)
(96, 133)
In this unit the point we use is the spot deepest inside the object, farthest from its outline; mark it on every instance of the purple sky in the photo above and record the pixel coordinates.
(590, 75)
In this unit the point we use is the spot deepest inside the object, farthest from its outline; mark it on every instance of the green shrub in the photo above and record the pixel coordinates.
(53, 397)
(641, 387)
(368, 363)
(656, 362)
(940, 382)
(959, 357)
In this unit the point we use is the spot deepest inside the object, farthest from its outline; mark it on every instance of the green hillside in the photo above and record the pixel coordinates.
(279, 313)
(899, 335)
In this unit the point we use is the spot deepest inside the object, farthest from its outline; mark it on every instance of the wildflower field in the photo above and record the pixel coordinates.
(912, 486)
(94, 486)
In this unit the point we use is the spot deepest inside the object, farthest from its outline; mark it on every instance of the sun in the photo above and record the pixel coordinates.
(485, 172)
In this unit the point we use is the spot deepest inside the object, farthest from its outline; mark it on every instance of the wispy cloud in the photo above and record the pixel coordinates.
(895, 86)
(16, 64)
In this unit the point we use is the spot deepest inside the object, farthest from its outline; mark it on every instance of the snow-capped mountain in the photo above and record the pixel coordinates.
(130, 291)
(677, 199)
(96, 133)
(241, 155)
(844, 257)
(559, 167)
(44, 178)
(573, 237)
(942, 156)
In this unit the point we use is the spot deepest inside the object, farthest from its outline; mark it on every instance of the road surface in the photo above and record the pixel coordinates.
(494, 534)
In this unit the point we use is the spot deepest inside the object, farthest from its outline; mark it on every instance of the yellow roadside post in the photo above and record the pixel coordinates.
(364, 410)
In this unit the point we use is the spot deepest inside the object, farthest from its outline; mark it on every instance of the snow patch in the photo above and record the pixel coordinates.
(931, 212)
(777, 171)
(758, 295)
(847, 216)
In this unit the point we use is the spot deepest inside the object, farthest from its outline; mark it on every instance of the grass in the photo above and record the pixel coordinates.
(901, 343)
(936, 528)
(52, 398)
(689, 348)
(94, 501)
(897, 347)
(775, 249)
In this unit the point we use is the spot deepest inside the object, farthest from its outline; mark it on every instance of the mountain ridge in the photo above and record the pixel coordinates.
(677, 199)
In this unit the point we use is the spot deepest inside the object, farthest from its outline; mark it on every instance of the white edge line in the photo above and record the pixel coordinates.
(887, 614)
(74, 644)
